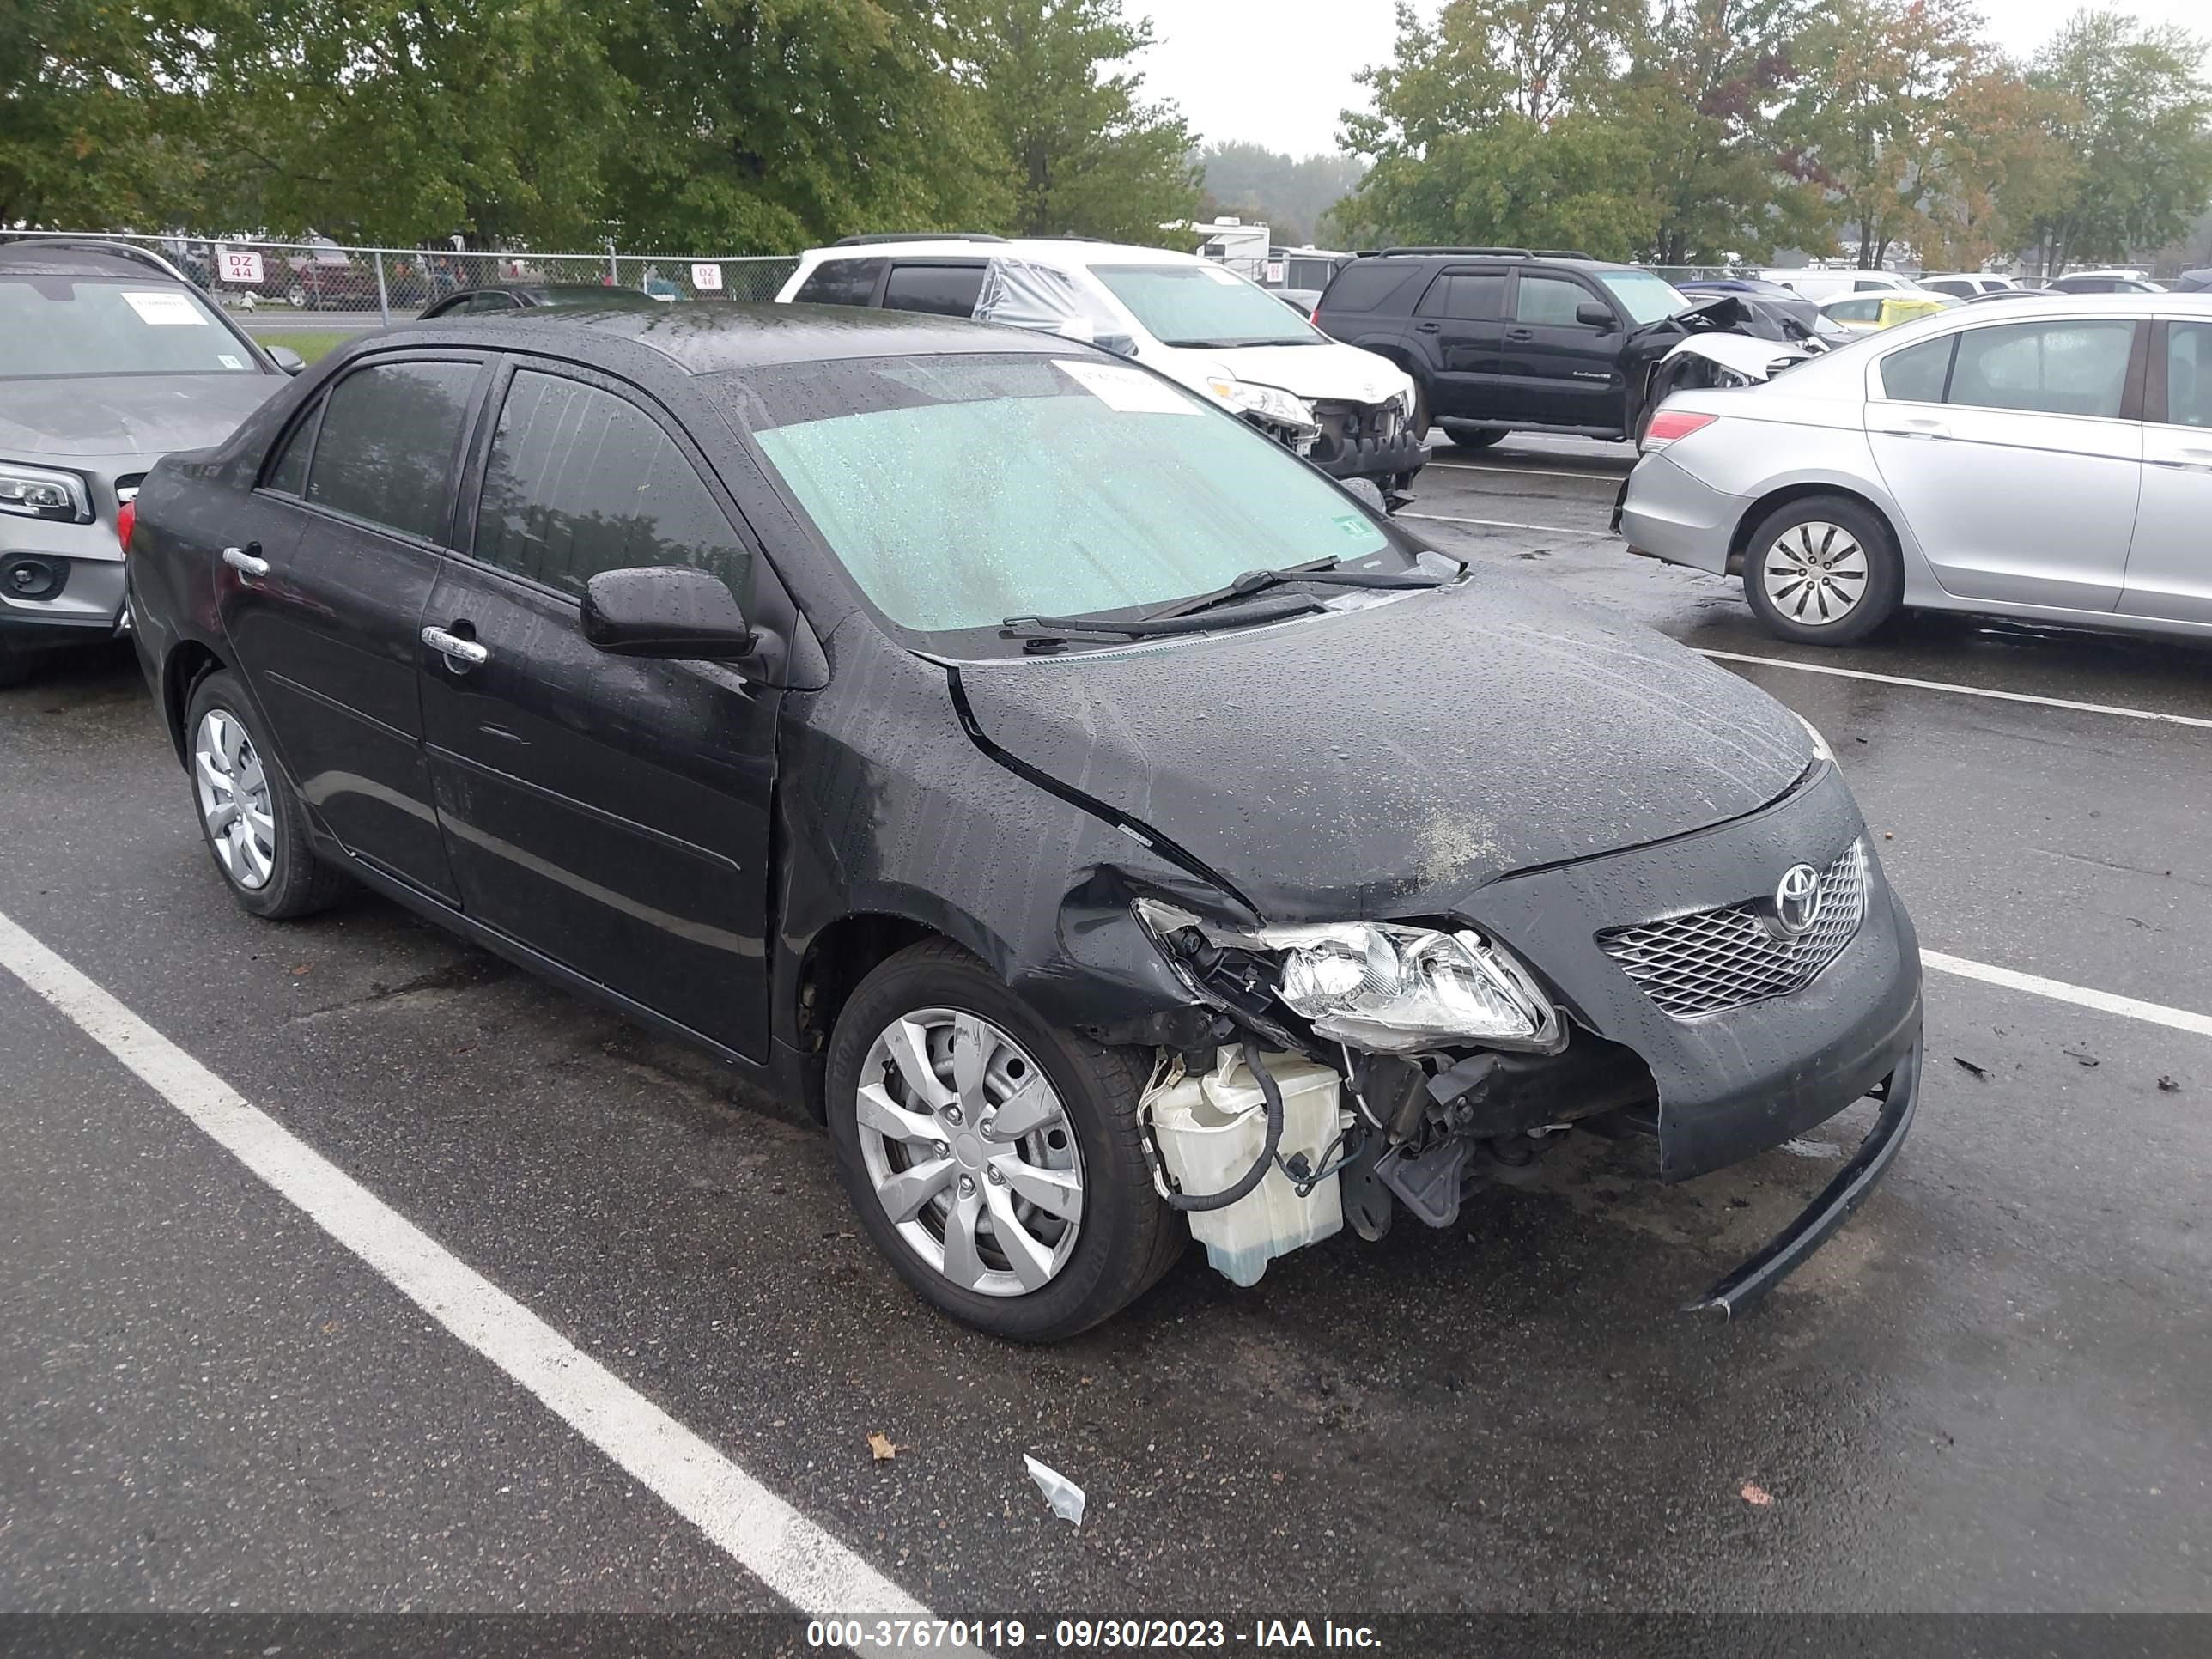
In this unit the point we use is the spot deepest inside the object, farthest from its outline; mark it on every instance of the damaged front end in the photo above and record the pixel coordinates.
(1402, 1065)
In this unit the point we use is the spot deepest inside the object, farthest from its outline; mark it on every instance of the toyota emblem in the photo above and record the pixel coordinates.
(1797, 901)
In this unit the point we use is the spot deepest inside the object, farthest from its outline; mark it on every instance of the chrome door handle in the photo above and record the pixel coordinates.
(1914, 428)
(2188, 461)
(243, 561)
(458, 652)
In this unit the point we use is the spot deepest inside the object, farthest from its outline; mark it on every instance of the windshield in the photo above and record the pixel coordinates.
(1645, 297)
(1204, 306)
(960, 491)
(70, 326)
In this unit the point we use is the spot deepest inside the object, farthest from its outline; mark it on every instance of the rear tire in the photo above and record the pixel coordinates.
(915, 1011)
(1474, 437)
(254, 824)
(1823, 570)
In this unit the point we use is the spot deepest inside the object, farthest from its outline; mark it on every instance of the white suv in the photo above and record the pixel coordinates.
(1194, 321)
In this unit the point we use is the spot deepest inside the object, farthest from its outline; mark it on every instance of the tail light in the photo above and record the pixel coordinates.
(126, 516)
(1669, 424)
(1313, 317)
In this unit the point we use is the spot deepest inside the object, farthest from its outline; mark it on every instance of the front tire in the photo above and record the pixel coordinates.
(1823, 570)
(254, 826)
(1474, 437)
(995, 1159)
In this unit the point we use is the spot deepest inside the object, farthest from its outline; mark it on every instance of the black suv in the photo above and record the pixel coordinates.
(1502, 338)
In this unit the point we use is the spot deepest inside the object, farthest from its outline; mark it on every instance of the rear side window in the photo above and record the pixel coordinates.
(1917, 375)
(947, 290)
(1477, 297)
(582, 480)
(387, 450)
(1856, 311)
(1548, 301)
(2048, 368)
(842, 282)
(1373, 285)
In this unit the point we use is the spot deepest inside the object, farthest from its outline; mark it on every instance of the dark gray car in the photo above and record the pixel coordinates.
(112, 361)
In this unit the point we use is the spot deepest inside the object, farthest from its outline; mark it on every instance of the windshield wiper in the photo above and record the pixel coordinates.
(1237, 345)
(1101, 625)
(1324, 572)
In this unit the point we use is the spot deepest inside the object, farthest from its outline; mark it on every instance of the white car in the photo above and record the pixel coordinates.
(2051, 461)
(1819, 285)
(1966, 285)
(1197, 323)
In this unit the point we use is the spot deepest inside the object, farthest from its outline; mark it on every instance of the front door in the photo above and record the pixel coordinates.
(1456, 331)
(2170, 565)
(324, 593)
(2019, 478)
(1556, 369)
(609, 813)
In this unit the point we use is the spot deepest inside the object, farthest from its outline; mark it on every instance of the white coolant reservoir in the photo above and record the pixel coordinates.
(1211, 1129)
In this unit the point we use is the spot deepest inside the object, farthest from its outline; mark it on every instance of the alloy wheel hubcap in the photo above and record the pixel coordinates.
(969, 1151)
(233, 787)
(1815, 573)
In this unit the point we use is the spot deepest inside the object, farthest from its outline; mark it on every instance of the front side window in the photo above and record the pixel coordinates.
(73, 325)
(2049, 368)
(1549, 301)
(1856, 311)
(581, 480)
(385, 453)
(2189, 373)
(960, 491)
(1204, 306)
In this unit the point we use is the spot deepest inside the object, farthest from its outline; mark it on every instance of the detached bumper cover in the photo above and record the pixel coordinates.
(1788, 1249)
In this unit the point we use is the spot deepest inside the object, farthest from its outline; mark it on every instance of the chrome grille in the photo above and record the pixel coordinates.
(1721, 959)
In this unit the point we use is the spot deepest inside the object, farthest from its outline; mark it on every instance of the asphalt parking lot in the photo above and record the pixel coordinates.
(1988, 1392)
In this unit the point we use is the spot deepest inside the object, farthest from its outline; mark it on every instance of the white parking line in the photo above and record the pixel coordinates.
(1503, 524)
(2105, 1002)
(791, 1555)
(1613, 478)
(1946, 685)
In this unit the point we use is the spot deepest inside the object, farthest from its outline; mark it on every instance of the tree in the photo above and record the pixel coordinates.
(1708, 76)
(1089, 156)
(1291, 196)
(2128, 108)
(1491, 126)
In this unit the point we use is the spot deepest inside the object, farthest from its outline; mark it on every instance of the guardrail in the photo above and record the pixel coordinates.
(361, 286)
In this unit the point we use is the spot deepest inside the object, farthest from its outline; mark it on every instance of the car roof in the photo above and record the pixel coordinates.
(708, 338)
(89, 257)
(1043, 250)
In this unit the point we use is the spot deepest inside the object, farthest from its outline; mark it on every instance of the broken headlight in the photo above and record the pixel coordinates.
(1268, 402)
(1383, 986)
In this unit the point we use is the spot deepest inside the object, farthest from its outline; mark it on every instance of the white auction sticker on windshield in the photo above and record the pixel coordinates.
(165, 310)
(1129, 390)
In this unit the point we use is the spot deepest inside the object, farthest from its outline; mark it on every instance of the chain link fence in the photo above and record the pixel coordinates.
(337, 287)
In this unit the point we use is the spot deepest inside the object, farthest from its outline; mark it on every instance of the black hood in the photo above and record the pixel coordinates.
(1387, 760)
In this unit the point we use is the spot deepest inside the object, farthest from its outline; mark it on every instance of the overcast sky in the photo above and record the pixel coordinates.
(1277, 71)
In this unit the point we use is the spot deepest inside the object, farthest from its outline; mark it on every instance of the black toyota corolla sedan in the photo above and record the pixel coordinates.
(1113, 832)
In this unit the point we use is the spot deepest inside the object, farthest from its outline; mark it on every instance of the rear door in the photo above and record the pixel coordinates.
(1557, 370)
(2020, 479)
(609, 813)
(1457, 328)
(324, 598)
(2170, 564)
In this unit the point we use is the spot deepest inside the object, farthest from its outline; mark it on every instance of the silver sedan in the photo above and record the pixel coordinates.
(2056, 467)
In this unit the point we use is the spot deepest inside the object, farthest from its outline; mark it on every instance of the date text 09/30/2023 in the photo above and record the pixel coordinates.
(1085, 1635)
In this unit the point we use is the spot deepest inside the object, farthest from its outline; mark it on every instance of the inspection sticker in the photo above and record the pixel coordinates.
(1129, 391)
(165, 310)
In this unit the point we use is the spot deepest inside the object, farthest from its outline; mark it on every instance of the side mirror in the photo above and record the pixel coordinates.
(1595, 313)
(665, 610)
(286, 359)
